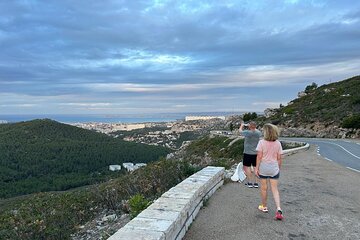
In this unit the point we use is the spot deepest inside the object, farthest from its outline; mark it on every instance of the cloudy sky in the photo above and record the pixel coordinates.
(159, 56)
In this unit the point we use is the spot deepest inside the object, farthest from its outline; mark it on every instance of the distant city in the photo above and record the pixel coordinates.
(111, 118)
(160, 133)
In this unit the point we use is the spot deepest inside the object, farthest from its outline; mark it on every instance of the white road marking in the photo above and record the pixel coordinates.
(353, 169)
(344, 149)
(328, 159)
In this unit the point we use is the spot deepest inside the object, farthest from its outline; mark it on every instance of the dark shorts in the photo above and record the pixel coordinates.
(266, 177)
(249, 160)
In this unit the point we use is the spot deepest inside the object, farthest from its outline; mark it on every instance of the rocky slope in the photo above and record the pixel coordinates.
(331, 110)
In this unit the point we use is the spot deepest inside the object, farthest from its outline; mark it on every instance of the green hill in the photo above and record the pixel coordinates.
(335, 104)
(44, 155)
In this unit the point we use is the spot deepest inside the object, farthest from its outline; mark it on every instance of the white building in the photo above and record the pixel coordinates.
(131, 167)
(128, 166)
(139, 165)
(192, 118)
(302, 94)
(114, 168)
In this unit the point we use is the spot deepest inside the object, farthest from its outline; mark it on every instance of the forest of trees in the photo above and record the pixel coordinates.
(44, 155)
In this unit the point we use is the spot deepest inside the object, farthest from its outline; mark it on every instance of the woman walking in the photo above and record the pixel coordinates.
(268, 165)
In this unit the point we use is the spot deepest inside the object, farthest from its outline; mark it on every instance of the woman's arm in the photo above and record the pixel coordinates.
(258, 160)
(279, 159)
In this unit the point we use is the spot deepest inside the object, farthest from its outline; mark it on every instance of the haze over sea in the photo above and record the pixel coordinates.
(111, 118)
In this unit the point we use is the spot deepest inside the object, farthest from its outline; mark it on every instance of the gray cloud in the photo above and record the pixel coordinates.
(60, 48)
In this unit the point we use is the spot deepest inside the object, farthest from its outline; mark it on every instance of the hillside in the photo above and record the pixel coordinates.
(80, 212)
(44, 155)
(323, 110)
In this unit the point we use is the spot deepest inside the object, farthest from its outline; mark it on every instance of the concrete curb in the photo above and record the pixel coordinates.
(288, 152)
(170, 216)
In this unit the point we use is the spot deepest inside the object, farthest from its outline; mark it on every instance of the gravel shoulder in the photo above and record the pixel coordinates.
(320, 200)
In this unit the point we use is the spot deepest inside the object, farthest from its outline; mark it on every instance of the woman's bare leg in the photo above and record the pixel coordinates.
(275, 192)
(263, 191)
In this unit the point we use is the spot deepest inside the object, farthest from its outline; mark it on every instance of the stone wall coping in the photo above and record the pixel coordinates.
(170, 216)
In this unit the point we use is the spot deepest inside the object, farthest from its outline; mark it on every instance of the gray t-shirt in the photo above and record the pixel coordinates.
(251, 141)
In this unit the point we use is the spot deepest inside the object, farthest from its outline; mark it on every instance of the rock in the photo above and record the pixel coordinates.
(112, 217)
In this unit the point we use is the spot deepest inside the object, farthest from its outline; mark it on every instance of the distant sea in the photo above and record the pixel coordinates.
(112, 118)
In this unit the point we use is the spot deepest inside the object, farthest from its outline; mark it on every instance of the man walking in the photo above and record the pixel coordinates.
(252, 137)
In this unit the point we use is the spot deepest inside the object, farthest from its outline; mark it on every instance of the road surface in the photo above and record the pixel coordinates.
(320, 200)
(342, 151)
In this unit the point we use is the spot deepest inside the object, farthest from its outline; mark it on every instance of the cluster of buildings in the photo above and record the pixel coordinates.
(111, 127)
(194, 118)
(165, 138)
(128, 166)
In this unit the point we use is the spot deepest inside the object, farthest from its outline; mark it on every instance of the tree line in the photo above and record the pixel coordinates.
(44, 155)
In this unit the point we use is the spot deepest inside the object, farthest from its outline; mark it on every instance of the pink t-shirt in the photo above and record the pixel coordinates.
(270, 150)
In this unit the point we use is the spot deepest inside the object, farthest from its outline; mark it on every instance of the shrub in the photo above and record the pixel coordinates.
(289, 110)
(310, 88)
(223, 162)
(189, 169)
(352, 122)
(137, 204)
(249, 116)
(355, 100)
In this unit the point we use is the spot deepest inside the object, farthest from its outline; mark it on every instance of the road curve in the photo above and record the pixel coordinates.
(342, 151)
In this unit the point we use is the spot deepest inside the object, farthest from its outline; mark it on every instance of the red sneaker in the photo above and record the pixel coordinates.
(279, 215)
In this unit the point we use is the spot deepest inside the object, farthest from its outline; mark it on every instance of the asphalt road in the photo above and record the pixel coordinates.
(320, 200)
(342, 151)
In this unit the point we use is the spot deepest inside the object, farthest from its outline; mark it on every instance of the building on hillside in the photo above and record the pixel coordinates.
(128, 166)
(139, 165)
(114, 168)
(192, 118)
(132, 167)
(302, 94)
(221, 132)
(270, 112)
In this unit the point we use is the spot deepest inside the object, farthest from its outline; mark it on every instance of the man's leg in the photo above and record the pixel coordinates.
(253, 163)
(247, 167)
(247, 170)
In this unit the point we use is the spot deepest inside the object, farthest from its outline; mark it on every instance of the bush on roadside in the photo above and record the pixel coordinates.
(351, 122)
(137, 204)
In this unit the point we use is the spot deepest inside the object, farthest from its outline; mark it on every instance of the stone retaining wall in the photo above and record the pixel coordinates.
(170, 216)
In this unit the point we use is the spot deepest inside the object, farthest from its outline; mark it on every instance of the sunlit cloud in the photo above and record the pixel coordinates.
(24, 105)
(130, 58)
(143, 88)
(87, 104)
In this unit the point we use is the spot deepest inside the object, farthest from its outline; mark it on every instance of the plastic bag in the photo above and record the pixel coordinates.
(239, 174)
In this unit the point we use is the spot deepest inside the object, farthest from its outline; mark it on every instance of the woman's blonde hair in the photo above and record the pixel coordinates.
(271, 132)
